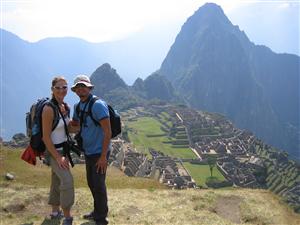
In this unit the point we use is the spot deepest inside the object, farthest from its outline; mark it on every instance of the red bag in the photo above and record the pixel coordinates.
(29, 155)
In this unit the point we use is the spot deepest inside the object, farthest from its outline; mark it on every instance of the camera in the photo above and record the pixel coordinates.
(79, 141)
(70, 146)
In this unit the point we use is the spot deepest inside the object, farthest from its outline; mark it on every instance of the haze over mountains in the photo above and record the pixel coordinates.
(212, 64)
(29, 68)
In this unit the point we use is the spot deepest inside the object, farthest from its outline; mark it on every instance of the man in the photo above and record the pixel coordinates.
(95, 144)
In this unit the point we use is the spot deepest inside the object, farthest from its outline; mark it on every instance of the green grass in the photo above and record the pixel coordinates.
(39, 175)
(201, 172)
(164, 116)
(138, 131)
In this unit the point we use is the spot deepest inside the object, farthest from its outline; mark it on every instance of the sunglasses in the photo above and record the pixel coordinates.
(65, 87)
(80, 86)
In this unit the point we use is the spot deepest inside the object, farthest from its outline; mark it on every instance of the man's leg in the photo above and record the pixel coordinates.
(98, 188)
(100, 197)
(88, 166)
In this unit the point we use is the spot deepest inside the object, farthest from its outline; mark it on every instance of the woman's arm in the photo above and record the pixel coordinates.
(47, 120)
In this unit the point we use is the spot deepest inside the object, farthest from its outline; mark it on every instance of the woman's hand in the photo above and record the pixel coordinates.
(63, 162)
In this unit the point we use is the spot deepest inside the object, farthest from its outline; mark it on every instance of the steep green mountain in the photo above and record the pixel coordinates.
(106, 80)
(110, 87)
(156, 86)
(215, 67)
(113, 89)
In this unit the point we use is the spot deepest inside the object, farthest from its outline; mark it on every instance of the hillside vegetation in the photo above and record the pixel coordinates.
(282, 174)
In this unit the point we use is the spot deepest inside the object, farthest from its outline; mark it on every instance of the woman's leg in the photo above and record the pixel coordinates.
(54, 195)
(66, 187)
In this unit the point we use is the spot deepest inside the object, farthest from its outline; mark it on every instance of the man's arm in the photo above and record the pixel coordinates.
(102, 161)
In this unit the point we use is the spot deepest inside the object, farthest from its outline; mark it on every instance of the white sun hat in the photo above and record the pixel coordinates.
(82, 79)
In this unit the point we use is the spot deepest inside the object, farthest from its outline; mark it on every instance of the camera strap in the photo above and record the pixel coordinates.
(66, 149)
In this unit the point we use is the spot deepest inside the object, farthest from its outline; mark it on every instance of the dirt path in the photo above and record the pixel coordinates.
(228, 207)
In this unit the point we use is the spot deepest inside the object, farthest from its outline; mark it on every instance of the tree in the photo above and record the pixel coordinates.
(211, 161)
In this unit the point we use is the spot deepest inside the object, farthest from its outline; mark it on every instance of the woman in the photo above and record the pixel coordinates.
(62, 186)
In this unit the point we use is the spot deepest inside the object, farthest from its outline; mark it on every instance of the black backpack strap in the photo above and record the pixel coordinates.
(91, 103)
(80, 115)
(67, 107)
(55, 113)
(53, 104)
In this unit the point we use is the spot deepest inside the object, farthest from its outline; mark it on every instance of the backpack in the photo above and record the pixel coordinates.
(34, 127)
(114, 117)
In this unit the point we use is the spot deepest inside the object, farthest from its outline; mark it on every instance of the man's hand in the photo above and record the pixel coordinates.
(101, 165)
(74, 126)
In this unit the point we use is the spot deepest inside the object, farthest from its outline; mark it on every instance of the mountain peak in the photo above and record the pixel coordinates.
(211, 10)
(105, 68)
(106, 79)
(212, 7)
(210, 14)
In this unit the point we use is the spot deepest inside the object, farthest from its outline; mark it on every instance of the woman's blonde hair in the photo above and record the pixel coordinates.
(57, 79)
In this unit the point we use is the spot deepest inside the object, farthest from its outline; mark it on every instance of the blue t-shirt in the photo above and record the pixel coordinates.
(91, 134)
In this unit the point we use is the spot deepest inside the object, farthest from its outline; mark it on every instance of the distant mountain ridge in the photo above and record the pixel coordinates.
(29, 67)
(215, 67)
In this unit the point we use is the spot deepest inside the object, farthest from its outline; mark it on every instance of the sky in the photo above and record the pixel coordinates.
(274, 23)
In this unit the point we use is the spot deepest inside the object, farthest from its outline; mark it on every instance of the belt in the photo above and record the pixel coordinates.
(60, 145)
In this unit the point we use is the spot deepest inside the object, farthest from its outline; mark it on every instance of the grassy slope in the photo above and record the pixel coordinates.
(134, 201)
(149, 126)
(201, 172)
(39, 175)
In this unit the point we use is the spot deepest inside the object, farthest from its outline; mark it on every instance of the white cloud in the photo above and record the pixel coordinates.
(284, 5)
(95, 20)
(109, 20)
